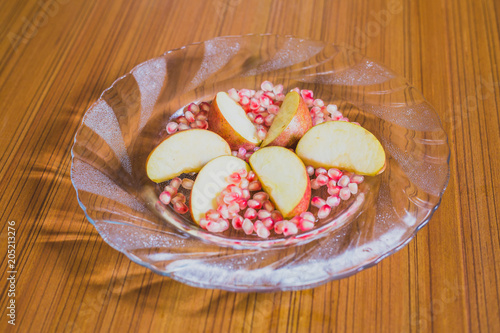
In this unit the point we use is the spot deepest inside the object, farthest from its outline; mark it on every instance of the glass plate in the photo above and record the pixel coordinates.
(120, 130)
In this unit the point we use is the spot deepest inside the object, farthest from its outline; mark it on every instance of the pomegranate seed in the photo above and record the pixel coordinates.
(280, 97)
(258, 94)
(179, 197)
(180, 207)
(295, 220)
(319, 102)
(201, 116)
(241, 154)
(337, 115)
(261, 196)
(203, 223)
(355, 123)
(318, 202)
(244, 100)
(269, 120)
(182, 120)
(165, 197)
(344, 181)
(189, 116)
(324, 211)
(237, 190)
(237, 222)
(204, 106)
(265, 101)
(276, 216)
(353, 188)
(244, 92)
(290, 229)
(357, 179)
(254, 104)
(172, 127)
(187, 183)
(278, 89)
(305, 225)
(244, 183)
(245, 194)
(333, 201)
(314, 184)
(201, 124)
(233, 208)
(344, 193)
(193, 108)
(250, 213)
(254, 186)
(266, 86)
(308, 216)
(234, 178)
(268, 223)
(273, 109)
(223, 211)
(316, 111)
(224, 224)
(268, 206)
(331, 183)
(247, 226)
(344, 119)
(183, 127)
(306, 93)
(259, 120)
(334, 190)
(230, 197)
(258, 224)
(261, 133)
(334, 174)
(251, 176)
(234, 94)
(212, 215)
(175, 182)
(247, 156)
(278, 227)
(317, 121)
(251, 116)
(254, 204)
(242, 203)
(234, 153)
(193, 125)
(320, 171)
(331, 108)
(263, 232)
(214, 226)
(171, 190)
(322, 180)
(262, 214)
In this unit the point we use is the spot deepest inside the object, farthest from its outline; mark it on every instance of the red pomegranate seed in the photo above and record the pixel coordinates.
(254, 204)
(251, 116)
(230, 197)
(266, 86)
(337, 115)
(247, 156)
(324, 211)
(175, 182)
(201, 116)
(244, 100)
(244, 92)
(242, 203)
(353, 188)
(318, 202)
(203, 223)
(241, 154)
(280, 98)
(244, 183)
(261, 133)
(322, 180)
(290, 229)
(212, 215)
(172, 127)
(254, 186)
(180, 207)
(183, 127)
(318, 120)
(258, 94)
(276, 216)
(237, 190)
(314, 184)
(278, 227)
(263, 232)
(234, 94)
(259, 120)
(278, 89)
(254, 104)
(320, 171)
(343, 181)
(273, 109)
(165, 197)
(331, 183)
(261, 196)
(295, 220)
(251, 176)
(233, 208)
(193, 125)
(333, 201)
(344, 193)
(201, 124)
(189, 116)
(250, 213)
(182, 120)
(247, 226)
(258, 224)
(308, 216)
(310, 170)
(204, 106)
(187, 183)
(344, 119)
(179, 197)
(319, 102)
(223, 211)
(245, 194)
(306, 93)
(262, 214)
(357, 179)
(234, 178)
(171, 190)
(193, 107)
(265, 101)
(214, 226)
(334, 190)
(268, 121)
(268, 223)
(268, 206)
(237, 222)
(334, 174)
(305, 225)
(224, 224)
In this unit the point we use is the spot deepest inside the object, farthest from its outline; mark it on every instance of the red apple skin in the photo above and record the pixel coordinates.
(303, 204)
(219, 125)
(297, 127)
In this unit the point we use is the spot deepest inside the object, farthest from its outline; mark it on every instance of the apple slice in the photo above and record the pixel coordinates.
(186, 151)
(284, 178)
(210, 182)
(291, 122)
(342, 145)
(228, 119)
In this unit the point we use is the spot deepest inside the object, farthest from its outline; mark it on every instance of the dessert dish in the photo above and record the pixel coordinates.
(258, 156)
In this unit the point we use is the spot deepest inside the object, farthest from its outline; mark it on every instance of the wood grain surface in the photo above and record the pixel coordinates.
(57, 56)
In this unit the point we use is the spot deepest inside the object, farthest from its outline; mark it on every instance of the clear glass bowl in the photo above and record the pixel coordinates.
(120, 130)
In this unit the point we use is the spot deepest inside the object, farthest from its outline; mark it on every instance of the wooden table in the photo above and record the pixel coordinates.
(57, 56)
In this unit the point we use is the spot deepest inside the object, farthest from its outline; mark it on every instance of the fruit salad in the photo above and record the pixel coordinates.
(258, 156)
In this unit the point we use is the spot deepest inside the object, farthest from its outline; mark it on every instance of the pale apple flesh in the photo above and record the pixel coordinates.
(228, 119)
(182, 152)
(291, 123)
(284, 177)
(210, 182)
(342, 145)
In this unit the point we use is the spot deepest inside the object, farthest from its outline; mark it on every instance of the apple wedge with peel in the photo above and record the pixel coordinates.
(284, 177)
(228, 119)
(291, 122)
(342, 145)
(186, 151)
(210, 182)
